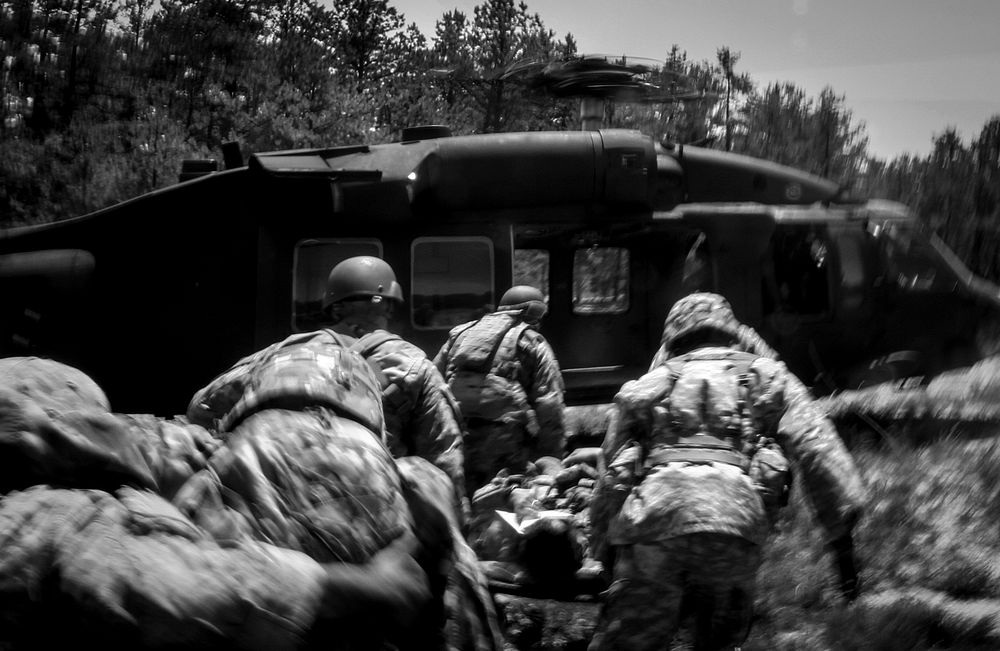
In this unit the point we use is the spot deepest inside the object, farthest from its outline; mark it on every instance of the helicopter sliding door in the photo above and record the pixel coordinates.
(609, 288)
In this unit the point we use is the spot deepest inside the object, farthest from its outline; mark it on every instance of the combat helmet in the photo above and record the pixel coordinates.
(359, 277)
(526, 298)
(696, 312)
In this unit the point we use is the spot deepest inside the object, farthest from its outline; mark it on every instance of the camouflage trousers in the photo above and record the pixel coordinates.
(709, 577)
(491, 447)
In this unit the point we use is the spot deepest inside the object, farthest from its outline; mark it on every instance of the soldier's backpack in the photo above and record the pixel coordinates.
(483, 370)
(295, 373)
(707, 416)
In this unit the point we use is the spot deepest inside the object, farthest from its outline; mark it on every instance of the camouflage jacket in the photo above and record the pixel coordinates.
(539, 374)
(421, 416)
(678, 498)
(304, 369)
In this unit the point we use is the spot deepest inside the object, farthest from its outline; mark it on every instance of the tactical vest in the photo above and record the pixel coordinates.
(483, 371)
(704, 414)
(298, 373)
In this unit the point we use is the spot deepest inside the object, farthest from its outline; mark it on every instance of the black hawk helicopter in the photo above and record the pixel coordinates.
(153, 296)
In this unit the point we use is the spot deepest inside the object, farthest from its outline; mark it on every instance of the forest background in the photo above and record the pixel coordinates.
(102, 100)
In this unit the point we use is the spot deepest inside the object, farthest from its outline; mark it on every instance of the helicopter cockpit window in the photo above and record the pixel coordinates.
(531, 267)
(799, 278)
(312, 262)
(600, 280)
(451, 281)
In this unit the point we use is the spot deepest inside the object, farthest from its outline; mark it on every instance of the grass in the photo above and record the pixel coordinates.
(930, 555)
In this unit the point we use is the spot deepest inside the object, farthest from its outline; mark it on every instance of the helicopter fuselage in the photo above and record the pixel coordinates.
(156, 295)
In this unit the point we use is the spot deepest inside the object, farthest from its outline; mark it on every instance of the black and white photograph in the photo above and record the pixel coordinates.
(481, 325)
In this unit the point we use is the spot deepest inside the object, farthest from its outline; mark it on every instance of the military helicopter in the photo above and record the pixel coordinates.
(155, 295)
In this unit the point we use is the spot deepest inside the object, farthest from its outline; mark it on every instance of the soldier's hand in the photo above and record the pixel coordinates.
(849, 582)
(390, 588)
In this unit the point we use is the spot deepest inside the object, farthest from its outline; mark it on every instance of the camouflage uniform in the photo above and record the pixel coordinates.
(681, 528)
(314, 480)
(103, 557)
(514, 439)
(295, 473)
(421, 416)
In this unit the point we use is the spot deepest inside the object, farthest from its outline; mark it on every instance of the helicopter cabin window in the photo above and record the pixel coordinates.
(312, 261)
(531, 267)
(797, 281)
(451, 282)
(600, 280)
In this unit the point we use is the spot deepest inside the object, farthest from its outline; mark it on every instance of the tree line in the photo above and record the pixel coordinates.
(103, 99)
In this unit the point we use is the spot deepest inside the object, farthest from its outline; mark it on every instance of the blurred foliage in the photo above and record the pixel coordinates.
(103, 99)
(928, 548)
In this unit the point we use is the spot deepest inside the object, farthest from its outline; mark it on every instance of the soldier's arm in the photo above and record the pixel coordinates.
(832, 483)
(436, 429)
(751, 341)
(543, 383)
(441, 359)
(629, 425)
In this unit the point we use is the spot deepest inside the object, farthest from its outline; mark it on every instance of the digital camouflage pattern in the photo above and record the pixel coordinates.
(308, 480)
(300, 468)
(652, 508)
(467, 604)
(311, 368)
(653, 582)
(126, 568)
(516, 439)
(698, 311)
(482, 372)
(312, 480)
(716, 312)
(782, 411)
(421, 416)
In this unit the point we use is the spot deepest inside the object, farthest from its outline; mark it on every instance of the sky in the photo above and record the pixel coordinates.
(907, 69)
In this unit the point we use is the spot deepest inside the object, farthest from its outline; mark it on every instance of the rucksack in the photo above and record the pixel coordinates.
(707, 417)
(297, 373)
(707, 401)
(483, 370)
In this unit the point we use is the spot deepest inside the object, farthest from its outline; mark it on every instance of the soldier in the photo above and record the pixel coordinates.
(308, 456)
(93, 551)
(681, 511)
(507, 381)
(421, 415)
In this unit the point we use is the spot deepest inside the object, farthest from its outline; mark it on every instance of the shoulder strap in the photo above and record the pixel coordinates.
(487, 364)
(506, 345)
(345, 341)
(369, 342)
